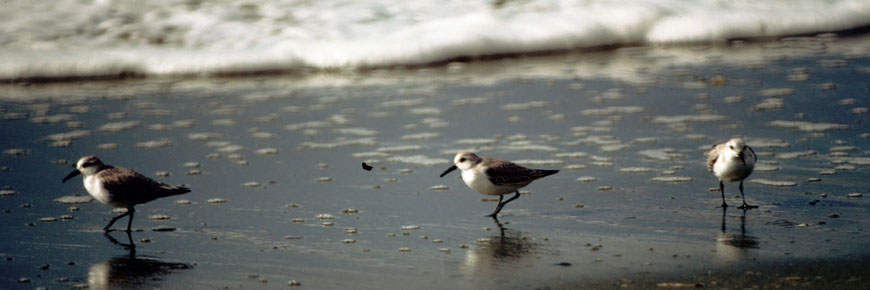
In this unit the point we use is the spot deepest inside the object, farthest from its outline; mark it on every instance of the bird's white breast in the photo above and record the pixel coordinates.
(477, 180)
(731, 169)
(96, 189)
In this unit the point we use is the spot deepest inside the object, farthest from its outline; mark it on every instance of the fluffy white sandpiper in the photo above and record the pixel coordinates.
(120, 187)
(492, 176)
(731, 161)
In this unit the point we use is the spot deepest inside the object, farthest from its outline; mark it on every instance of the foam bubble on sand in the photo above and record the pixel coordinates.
(761, 167)
(470, 101)
(419, 159)
(308, 125)
(155, 143)
(367, 141)
(663, 154)
(403, 103)
(159, 217)
(14, 116)
(159, 127)
(425, 111)
(857, 160)
(775, 183)
(262, 135)
(186, 123)
(687, 118)
(524, 106)
(527, 146)
(223, 122)
(75, 134)
(252, 184)
(795, 155)
(769, 104)
(597, 140)
(614, 147)
(370, 154)
(114, 127)
(355, 131)
(434, 123)
(843, 148)
(609, 95)
(74, 199)
(733, 99)
(777, 92)
(575, 155)
(268, 151)
(765, 143)
(672, 179)
(53, 118)
(229, 148)
(613, 110)
(635, 169)
(420, 136)
(16, 152)
(807, 126)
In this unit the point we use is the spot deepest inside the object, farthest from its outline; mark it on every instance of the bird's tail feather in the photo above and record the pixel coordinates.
(544, 172)
(170, 190)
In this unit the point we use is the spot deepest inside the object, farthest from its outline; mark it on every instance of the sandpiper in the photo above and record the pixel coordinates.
(492, 176)
(731, 161)
(120, 187)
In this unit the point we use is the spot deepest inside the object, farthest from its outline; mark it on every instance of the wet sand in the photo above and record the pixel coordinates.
(279, 193)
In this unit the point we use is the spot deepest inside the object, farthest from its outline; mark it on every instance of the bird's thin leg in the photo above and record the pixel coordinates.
(722, 190)
(745, 205)
(130, 221)
(512, 198)
(497, 207)
(501, 204)
(114, 219)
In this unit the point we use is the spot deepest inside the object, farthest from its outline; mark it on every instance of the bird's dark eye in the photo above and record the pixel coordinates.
(730, 146)
(461, 160)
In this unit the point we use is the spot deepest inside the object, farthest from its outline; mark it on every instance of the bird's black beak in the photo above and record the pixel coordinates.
(448, 170)
(70, 175)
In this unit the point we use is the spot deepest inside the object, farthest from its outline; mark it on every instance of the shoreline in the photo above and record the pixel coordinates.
(841, 37)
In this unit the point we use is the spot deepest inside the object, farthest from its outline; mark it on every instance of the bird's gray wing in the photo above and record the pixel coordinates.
(712, 155)
(505, 173)
(754, 156)
(133, 185)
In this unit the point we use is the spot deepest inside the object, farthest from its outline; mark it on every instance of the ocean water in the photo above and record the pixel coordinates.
(86, 39)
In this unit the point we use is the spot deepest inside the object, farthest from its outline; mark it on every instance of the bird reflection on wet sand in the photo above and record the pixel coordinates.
(506, 246)
(130, 271)
(734, 246)
(499, 250)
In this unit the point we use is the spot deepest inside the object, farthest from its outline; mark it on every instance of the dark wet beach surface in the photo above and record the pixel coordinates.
(279, 193)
